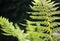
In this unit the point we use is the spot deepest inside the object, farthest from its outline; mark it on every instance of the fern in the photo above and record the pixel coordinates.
(43, 25)
(11, 30)
(42, 28)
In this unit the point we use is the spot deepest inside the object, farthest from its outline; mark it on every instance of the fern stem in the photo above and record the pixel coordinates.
(50, 34)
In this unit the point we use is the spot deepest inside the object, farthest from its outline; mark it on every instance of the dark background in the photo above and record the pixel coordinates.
(15, 11)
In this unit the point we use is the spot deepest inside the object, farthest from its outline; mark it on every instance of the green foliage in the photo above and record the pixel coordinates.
(42, 28)
(11, 30)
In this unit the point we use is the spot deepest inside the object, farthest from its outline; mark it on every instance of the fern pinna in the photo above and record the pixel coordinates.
(44, 23)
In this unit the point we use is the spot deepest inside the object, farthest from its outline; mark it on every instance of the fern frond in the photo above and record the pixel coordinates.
(44, 11)
(11, 30)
